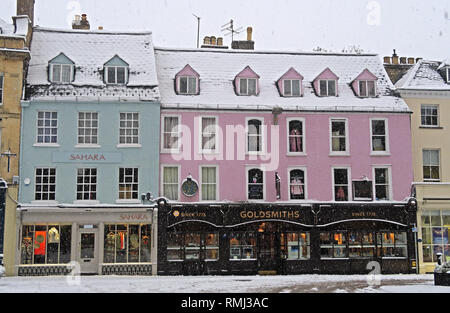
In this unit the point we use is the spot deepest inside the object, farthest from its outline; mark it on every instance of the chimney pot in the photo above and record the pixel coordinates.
(249, 33)
(100, 28)
(220, 41)
(387, 60)
(213, 40)
(418, 59)
(83, 24)
(207, 40)
(411, 61)
(403, 60)
(395, 59)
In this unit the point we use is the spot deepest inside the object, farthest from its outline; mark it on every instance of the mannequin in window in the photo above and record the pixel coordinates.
(340, 195)
(295, 140)
(296, 187)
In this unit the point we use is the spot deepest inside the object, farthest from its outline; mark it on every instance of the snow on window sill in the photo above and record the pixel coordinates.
(50, 145)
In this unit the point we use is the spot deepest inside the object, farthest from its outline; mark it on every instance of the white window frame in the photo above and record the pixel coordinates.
(386, 135)
(2, 87)
(327, 82)
(188, 79)
(437, 115)
(366, 82)
(87, 145)
(302, 120)
(130, 145)
(46, 144)
(291, 81)
(305, 182)
(246, 86)
(89, 184)
(262, 169)
(178, 148)
(440, 167)
(262, 135)
(131, 200)
(60, 81)
(201, 182)
(349, 182)
(106, 69)
(161, 188)
(216, 134)
(390, 184)
(447, 71)
(48, 192)
(347, 141)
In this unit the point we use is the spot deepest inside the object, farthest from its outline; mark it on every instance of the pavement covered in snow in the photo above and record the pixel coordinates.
(224, 284)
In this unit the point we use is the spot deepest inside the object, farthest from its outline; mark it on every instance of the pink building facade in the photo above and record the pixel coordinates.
(282, 162)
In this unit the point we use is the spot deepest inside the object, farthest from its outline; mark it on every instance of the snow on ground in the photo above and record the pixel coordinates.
(224, 284)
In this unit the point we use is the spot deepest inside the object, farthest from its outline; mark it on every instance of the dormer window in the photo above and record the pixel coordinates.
(61, 70)
(326, 84)
(290, 84)
(365, 85)
(187, 81)
(116, 71)
(247, 83)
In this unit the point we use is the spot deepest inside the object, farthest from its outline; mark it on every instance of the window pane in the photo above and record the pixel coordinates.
(371, 88)
(183, 85)
(121, 75)
(323, 87)
(192, 85)
(362, 88)
(56, 74)
(252, 86)
(295, 136)
(111, 75)
(332, 88)
(243, 86)
(296, 183)
(66, 71)
(287, 87)
(296, 87)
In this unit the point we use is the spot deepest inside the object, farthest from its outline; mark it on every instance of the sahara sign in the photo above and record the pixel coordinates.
(86, 157)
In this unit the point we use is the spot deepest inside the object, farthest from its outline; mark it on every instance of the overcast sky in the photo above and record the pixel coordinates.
(416, 28)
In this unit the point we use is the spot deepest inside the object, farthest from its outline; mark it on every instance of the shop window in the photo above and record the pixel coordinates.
(341, 184)
(170, 182)
(171, 133)
(129, 129)
(45, 186)
(295, 246)
(87, 184)
(382, 185)
(254, 135)
(243, 246)
(361, 244)
(295, 136)
(209, 183)
(379, 136)
(87, 128)
(429, 115)
(212, 246)
(255, 184)
(431, 165)
(209, 130)
(297, 184)
(435, 234)
(192, 246)
(47, 128)
(126, 243)
(393, 244)
(174, 246)
(45, 244)
(333, 245)
(339, 143)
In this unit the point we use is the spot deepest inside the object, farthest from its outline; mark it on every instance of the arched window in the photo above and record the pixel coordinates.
(254, 135)
(255, 183)
(296, 184)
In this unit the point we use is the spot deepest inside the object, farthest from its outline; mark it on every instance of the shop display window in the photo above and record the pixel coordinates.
(435, 235)
(192, 246)
(333, 245)
(243, 246)
(212, 246)
(45, 244)
(392, 244)
(295, 246)
(127, 243)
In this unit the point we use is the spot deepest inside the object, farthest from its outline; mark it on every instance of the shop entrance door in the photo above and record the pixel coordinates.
(268, 253)
(88, 251)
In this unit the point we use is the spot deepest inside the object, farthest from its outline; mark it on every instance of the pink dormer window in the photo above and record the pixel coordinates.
(247, 83)
(365, 84)
(326, 84)
(290, 84)
(187, 81)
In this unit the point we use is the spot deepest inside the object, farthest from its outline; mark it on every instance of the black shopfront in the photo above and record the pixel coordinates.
(255, 238)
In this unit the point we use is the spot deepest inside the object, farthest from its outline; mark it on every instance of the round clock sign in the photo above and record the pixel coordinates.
(189, 187)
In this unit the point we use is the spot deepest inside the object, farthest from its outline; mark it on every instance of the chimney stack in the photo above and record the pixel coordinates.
(82, 23)
(248, 44)
(26, 7)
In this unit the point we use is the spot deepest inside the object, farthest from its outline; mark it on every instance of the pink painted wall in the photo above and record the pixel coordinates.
(317, 161)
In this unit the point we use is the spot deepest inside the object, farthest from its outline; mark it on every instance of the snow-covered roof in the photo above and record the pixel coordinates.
(90, 50)
(423, 75)
(218, 68)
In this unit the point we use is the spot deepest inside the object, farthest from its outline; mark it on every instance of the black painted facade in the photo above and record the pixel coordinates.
(269, 224)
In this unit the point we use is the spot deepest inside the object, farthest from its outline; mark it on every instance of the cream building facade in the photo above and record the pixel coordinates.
(426, 90)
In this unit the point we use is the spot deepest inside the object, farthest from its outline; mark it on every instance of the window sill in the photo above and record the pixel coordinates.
(48, 145)
(255, 153)
(128, 201)
(86, 202)
(46, 202)
(81, 146)
(170, 151)
(296, 154)
(430, 127)
(242, 260)
(136, 145)
(380, 153)
(344, 154)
